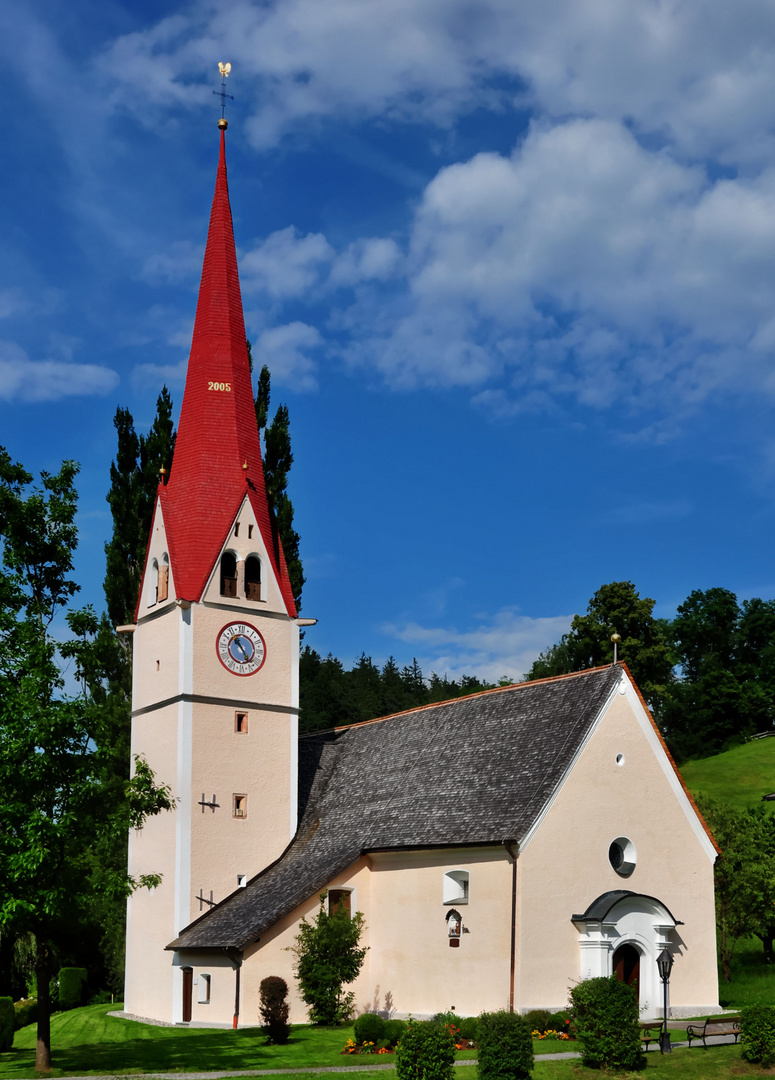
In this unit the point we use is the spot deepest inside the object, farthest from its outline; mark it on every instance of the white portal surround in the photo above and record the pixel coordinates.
(640, 921)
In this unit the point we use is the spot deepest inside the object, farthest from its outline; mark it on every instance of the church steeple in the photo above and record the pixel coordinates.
(217, 461)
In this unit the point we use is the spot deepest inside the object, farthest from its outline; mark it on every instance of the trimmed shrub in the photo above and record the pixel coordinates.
(426, 1051)
(72, 982)
(505, 1045)
(7, 1018)
(26, 1012)
(468, 1026)
(538, 1019)
(394, 1029)
(757, 1034)
(557, 1021)
(369, 1027)
(605, 1018)
(274, 1009)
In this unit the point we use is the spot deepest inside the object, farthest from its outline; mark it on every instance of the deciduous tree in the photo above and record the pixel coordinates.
(328, 958)
(57, 809)
(615, 608)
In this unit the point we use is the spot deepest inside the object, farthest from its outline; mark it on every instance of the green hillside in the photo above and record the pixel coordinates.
(738, 777)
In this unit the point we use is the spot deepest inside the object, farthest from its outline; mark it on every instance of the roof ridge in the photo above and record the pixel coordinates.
(465, 697)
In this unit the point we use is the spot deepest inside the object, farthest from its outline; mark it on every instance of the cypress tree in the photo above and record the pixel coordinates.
(278, 458)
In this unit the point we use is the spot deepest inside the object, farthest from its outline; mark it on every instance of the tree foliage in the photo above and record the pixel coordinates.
(744, 876)
(57, 808)
(278, 458)
(328, 958)
(331, 696)
(726, 653)
(644, 647)
(134, 482)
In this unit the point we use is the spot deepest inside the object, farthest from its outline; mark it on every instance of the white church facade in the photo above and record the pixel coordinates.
(501, 846)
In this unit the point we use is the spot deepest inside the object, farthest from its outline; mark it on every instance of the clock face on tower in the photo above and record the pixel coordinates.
(240, 648)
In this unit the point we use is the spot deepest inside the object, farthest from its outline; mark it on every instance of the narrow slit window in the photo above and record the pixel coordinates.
(241, 723)
(250, 532)
(228, 574)
(236, 529)
(240, 806)
(253, 578)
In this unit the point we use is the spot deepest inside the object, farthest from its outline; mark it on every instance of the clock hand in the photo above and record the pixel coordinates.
(241, 648)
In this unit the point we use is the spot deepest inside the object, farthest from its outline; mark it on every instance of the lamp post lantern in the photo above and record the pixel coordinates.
(665, 966)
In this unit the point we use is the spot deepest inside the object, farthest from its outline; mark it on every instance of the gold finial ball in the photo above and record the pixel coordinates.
(223, 124)
(245, 466)
(162, 471)
(616, 638)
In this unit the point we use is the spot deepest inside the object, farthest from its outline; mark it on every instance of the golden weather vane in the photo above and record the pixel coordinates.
(224, 70)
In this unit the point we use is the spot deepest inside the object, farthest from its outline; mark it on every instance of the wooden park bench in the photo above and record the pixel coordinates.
(650, 1031)
(713, 1025)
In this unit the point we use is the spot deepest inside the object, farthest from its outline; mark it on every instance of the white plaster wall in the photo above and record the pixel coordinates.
(410, 966)
(411, 958)
(565, 866)
(151, 914)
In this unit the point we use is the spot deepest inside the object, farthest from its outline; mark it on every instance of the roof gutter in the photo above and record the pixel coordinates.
(512, 848)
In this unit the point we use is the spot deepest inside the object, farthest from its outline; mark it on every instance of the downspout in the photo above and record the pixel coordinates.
(236, 959)
(512, 847)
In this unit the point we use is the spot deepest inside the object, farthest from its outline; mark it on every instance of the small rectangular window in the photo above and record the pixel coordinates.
(250, 532)
(236, 529)
(241, 723)
(164, 577)
(242, 880)
(203, 997)
(240, 806)
(339, 900)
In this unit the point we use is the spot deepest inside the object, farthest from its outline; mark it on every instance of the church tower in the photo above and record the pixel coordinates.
(216, 650)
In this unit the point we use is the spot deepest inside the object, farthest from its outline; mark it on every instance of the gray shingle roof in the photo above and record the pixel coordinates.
(476, 770)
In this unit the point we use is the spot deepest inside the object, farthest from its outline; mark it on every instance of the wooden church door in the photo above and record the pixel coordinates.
(188, 993)
(626, 965)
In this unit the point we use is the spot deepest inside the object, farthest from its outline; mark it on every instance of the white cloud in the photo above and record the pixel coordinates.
(144, 375)
(372, 259)
(505, 643)
(285, 350)
(181, 262)
(285, 265)
(25, 380)
(698, 75)
(582, 266)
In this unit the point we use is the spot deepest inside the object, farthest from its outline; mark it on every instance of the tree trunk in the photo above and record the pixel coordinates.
(7, 941)
(767, 940)
(43, 976)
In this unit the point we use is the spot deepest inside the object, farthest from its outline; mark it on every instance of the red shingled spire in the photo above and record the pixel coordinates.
(217, 433)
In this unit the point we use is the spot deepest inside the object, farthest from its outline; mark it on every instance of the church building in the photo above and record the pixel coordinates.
(501, 846)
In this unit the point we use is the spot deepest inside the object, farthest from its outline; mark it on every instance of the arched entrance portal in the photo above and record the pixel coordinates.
(626, 966)
(622, 933)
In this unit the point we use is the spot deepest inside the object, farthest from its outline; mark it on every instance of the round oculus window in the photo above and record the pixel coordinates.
(622, 856)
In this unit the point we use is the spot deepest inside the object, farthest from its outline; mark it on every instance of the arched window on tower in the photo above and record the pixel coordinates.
(253, 577)
(228, 574)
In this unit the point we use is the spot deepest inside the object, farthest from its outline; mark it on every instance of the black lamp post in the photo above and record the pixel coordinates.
(665, 966)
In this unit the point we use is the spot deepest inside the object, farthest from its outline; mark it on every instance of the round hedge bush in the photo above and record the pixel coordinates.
(369, 1027)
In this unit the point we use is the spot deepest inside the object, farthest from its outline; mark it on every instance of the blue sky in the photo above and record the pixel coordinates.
(511, 265)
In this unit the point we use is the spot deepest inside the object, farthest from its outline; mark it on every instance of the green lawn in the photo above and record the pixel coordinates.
(738, 777)
(88, 1041)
